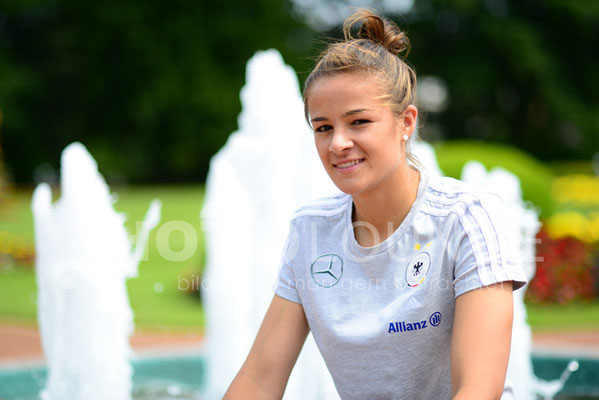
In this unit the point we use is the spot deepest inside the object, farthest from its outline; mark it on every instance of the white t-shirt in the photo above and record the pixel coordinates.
(382, 316)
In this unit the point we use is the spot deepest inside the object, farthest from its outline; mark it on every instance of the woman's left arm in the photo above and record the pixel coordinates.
(480, 346)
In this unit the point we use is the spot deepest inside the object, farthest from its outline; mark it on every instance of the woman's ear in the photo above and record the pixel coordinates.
(408, 120)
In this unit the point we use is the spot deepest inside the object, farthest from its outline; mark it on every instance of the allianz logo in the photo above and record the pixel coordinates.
(402, 326)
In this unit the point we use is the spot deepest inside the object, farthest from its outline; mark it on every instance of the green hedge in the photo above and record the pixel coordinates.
(535, 177)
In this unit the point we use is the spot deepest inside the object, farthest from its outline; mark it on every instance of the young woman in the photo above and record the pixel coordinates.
(405, 281)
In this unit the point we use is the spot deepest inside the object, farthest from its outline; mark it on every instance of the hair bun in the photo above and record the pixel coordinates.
(378, 30)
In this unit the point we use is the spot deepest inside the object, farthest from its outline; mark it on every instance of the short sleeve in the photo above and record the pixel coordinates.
(286, 283)
(486, 252)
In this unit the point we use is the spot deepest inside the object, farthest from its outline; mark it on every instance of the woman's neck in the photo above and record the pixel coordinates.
(378, 213)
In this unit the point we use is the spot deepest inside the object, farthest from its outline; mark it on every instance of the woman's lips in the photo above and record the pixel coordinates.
(348, 166)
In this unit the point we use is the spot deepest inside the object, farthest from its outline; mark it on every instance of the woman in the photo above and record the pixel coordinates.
(405, 282)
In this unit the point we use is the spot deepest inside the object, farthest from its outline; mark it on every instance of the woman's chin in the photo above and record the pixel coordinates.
(349, 189)
(348, 185)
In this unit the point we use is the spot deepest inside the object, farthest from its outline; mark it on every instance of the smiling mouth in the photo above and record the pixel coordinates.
(348, 164)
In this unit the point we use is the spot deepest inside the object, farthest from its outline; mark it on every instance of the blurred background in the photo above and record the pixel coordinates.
(151, 88)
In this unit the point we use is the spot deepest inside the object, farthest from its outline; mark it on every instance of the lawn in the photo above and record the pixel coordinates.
(156, 298)
(577, 316)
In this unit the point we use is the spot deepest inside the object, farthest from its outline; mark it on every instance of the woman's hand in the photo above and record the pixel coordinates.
(480, 347)
(266, 370)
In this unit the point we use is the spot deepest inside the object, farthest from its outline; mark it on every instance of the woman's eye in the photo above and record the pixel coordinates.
(360, 122)
(323, 128)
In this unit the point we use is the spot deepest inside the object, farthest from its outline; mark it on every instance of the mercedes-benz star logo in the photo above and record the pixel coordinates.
(327, 270)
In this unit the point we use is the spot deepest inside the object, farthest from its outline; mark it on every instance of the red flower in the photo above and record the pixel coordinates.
(565, 271)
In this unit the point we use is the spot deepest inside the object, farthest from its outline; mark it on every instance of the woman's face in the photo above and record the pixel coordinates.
(359, 139)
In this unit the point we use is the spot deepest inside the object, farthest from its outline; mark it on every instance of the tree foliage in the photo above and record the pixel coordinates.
(518, 71)
(152, 88)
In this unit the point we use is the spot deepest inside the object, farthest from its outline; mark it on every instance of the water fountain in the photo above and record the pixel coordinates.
(84, 257)
(267, 168)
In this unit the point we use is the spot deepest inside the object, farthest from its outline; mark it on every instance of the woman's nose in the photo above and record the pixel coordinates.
(341, 141)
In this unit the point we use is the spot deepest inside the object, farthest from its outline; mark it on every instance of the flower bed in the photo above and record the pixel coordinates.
(566, 270)
(568, 249)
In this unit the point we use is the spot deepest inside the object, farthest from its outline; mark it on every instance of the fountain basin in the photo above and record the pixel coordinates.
(182, 377)
(154, 378)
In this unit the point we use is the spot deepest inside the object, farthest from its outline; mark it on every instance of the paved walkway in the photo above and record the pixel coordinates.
(573, 344)
(21, 345)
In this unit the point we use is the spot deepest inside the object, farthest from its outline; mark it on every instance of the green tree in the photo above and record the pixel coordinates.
(151, 87)
(3, 182)
(522, 72)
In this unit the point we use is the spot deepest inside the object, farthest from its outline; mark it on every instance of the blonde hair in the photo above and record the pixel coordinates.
(377, 50)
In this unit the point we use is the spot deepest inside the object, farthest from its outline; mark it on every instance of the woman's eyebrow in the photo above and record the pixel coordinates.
(350, 112)
(316, 119)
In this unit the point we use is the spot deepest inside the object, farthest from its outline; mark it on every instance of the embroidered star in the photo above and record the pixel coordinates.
(417, 246)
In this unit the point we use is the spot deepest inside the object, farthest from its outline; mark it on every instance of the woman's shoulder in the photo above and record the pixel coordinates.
(453, 195)
(323, 207)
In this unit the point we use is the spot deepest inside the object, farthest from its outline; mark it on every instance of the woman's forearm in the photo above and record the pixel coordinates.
(246, 387)
(474, 393)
